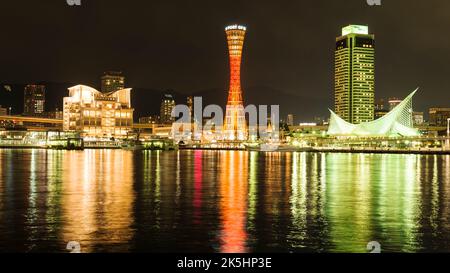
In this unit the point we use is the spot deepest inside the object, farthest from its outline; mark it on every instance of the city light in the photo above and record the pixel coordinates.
(146, 128)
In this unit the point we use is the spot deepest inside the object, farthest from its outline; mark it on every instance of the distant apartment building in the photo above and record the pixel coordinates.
(190, 105)
(56, 114)
(3, 111)
(150, 120)
(418, 118)
(290, 120)
(393, 102)
(167, 105)
(34, 100)
(380, 109)
(97, 114)
(379, 104)
(112, 81)
(439, 116)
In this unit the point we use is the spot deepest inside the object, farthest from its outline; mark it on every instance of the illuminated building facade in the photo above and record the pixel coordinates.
(34, 100)
(439, 116)
(398, 122)
(235, 127)
(97, 114)
(112, 81)
(167, 105)
(355, 74)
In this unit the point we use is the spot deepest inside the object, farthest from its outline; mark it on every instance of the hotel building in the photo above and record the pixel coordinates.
(355, 74)
(97, 114)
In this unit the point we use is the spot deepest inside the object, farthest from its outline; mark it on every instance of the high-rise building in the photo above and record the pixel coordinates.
(439, 116)
(34, 100)
(235, 127)
(167, 105)
(96, 114)
(355, 74)
(112, 81)
(290, 120)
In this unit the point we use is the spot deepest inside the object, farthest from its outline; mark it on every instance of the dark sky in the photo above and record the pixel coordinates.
(181, 44)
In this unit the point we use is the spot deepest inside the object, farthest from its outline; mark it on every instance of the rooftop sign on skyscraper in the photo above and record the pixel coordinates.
(355, 29)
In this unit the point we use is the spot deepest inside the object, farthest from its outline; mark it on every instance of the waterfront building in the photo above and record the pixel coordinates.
(439, 116)
(167, 105)
(397, 122)
(97, 114)
(235, 126)
(34, 100)
(112, 81)
(355, 74)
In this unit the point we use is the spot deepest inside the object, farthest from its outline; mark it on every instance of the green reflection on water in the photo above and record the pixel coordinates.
(225, 201)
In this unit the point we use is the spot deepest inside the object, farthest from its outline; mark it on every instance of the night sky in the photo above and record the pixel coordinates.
(181, 45)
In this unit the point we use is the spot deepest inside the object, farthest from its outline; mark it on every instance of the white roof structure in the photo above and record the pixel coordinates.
(85, 94)
(397, 122)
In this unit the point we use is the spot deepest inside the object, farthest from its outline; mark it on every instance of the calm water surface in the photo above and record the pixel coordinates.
(222, 201)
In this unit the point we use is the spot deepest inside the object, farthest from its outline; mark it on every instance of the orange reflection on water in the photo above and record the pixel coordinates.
(233, 204)
(98, 185)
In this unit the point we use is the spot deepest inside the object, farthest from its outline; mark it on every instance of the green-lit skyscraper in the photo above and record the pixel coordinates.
(355, 74)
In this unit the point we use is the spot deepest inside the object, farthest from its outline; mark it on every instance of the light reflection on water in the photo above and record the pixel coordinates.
(222, 201)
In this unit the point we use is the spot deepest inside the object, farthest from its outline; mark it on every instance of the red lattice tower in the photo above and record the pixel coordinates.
(235, 127)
